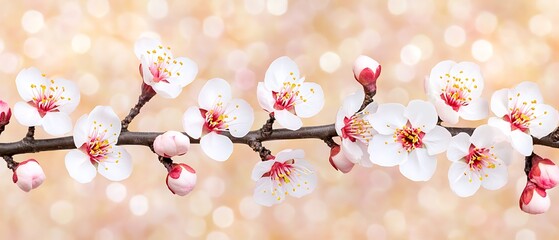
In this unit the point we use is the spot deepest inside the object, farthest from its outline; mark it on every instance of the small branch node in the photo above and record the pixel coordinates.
(167, 163)
(330, 142)
(10, 163)
(267, 128)
(30, 136)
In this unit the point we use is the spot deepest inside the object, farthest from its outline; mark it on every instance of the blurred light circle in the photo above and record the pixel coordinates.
(1, 45)
(404, 72)
(104, 234)
(223, 217)
(34, 48)
(32, 21)
(10, 62)
(139, 205)
(525, 234)
(158, 8)
(395, 221)
(330, 62)
(81, 43)
(376, 232)
(482, 50)
(486, 22)
(277, 7)
(200, 203)
(540, 25)
(249, 209)
(255, 6)
(195, 227)
(214, 186)
(397, 7)
(213, 26)
(454, 36)
(88, 84)
(116, 192)
(62, 212)
(215, 235)
(98, 8)
(410, 54)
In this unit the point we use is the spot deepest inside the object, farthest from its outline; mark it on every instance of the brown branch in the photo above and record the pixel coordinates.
(146, 139)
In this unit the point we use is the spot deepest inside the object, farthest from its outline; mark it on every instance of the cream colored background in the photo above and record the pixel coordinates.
(91, 42)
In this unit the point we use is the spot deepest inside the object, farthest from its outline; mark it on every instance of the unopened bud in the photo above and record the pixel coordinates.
(534, 200)
(5, 113)
(181, 179)
(28, 175)
(171, 144)
(544, 172)
(339, 161)
(366, 71)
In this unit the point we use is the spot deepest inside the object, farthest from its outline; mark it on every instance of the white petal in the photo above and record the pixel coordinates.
(421, 114)
(500, 102)
(264, 193)
(27, 77)
(504, 152)
(460, 181)
(470, 71)
(265, 97)
(437, 77)
(288, 154)
(104, 118)
(27, 115)
(528, 91)
(216, 146)
(304, 180)
(522, 142)
(281, 70)
(57, 123)
(81, 131)
(388, 117)
(485, 136)
(352, 103)
(118, 166)
(288, 120)
(500, 124)
(352, 150)
(436, 140)
(446, 113)
(71, 94)
(143, 45)
(261, 168)
(313, 100)
(365, 160)
(240, 117)
(458, 147)
(79, 166)
(419, 166)
(146, 73)
(193, 122)
(214, 91)
(477, 109)
(340, 123)
(496, 177)
(545, 122)
(167, 90)
(385, 152)
(185, 70)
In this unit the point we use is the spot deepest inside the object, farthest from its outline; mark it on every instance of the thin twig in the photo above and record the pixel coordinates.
(147, 94)
(30, 136)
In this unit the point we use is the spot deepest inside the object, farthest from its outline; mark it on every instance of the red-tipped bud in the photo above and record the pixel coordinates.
(544, 172)
(171, 144)
(534, 200)
(5, 113)
(181, 179)
(339, 161)
(366, 71)
(28, 175)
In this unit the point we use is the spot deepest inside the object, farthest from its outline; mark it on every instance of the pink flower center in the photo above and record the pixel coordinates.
(410, 137)
(162, 65)
(280, 172)
(479, 159)
(519, 119)
(456, 94)
(97, 148)
(47, 99)
(215, 119)
(357, 128)
(288, 96)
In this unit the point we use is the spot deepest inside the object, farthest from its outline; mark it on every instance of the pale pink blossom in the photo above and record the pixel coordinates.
(544, 172)
(181, 179)
(28, 175)
(285, 94)
(534, 200)
(366, 71)
(171, 144)
(339, 161)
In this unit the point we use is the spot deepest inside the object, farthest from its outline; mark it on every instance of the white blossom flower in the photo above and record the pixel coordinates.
(47, 102)
(479, 160)
(218, 113)
(455, 90)
(95, 136)
(409, 137)
(164, 73)
(285, 94)
(286, 174)
(522, 114)
(354, 128)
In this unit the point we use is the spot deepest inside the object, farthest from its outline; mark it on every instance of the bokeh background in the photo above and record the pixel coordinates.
(91, 42)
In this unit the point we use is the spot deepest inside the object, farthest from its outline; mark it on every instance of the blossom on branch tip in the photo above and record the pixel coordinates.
(218, 113)
(5, 113)
(286, 174)
(160, 70)
(408, 137)
(95, 137)
(181, 179)
(339, 161)
(285, 94)
(171, 144)
(28, 175)
(354, 128)
(544, 172)
(46, 102)
(534, 200)
(522, 114)
(479, 160)
(366, 71)
(455, 90)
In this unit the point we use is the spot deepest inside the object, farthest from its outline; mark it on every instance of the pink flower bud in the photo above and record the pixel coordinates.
(534, 200)
(544, 172)
(5, 113)
(181, 179)
(339, 161)
(366, 71)
(28, 175)
(171, 144)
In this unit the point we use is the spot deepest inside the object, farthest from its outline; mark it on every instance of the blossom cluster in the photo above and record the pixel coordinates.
(409, 136)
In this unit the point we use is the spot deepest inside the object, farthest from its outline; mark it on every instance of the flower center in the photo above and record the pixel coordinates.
(281, 172)
(519, 119)
(479, 159)
(97, 148)
(47, 99)
(410, 138)
(162, 65)
(215, 119)
(456, 94)
(289, 95)
(357, 128)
